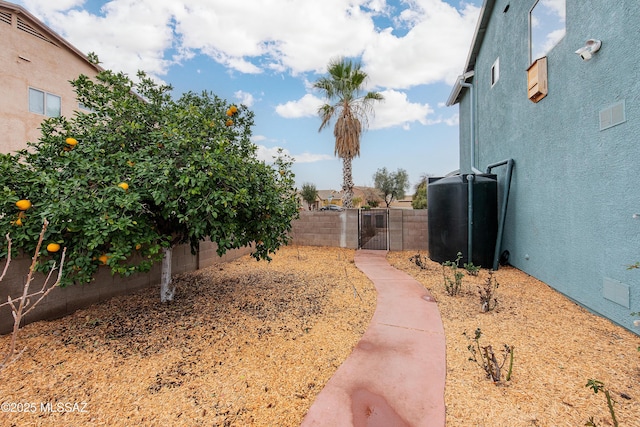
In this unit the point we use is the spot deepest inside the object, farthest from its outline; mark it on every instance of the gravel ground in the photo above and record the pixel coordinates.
(244, 343)
(558, 347)
(252, 343)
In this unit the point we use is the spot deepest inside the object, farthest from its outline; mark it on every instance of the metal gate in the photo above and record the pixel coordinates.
(374, 229)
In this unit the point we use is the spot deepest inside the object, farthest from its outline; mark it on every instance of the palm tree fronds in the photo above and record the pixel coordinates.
(348, 102)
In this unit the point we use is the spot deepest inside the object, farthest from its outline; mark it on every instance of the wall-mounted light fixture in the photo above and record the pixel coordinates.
(591, 46)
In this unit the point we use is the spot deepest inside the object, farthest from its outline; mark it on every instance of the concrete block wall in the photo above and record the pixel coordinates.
(62, 301)
(208, 255)
(414, 230)
(407, 229)
(326, 228)
(395, 229)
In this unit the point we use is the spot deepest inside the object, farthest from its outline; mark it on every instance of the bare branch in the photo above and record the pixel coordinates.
(20, 311)
(6, 266)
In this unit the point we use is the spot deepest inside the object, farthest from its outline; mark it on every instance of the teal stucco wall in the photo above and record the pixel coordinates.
(575, 187)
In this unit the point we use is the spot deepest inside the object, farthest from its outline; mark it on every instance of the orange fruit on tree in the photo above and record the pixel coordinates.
(124, 186)
(23, 204)
(103, 259)
(71, 141)
(53, 247)
(229, 122)
(138, 246)
(233, 109)
(18, 222)
(229, 112)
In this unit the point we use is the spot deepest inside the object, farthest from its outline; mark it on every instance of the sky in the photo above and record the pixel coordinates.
(266, 54)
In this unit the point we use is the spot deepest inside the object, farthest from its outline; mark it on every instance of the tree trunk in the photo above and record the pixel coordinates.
(347, 183)
(166, 294)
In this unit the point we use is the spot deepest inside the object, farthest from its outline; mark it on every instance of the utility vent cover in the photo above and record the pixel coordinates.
(615, 291)
(612, 115)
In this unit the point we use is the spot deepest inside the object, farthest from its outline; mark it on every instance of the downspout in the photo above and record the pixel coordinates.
(503, 212)
(470, 177)
(472, 119)
(470, 181)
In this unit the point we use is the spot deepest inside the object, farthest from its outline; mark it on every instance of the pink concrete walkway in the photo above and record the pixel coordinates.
(395, 375)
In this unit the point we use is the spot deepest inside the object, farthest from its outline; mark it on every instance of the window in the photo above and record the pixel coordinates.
(44, 103)
(547, 27)
(495, 72)
(83, 107)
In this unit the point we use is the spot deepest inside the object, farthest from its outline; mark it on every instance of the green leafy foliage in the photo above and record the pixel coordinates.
(147, 172)
(392, 185)
(419, 200)
(309, 193)
(452, 275)
(472, 269)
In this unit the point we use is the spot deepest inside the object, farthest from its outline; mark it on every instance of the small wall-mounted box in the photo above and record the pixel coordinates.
(537, 79)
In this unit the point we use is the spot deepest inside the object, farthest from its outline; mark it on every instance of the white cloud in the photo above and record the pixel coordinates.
(245, 98)
(128, 36)
(268, 153)
(155, 34)
(557, 7)
(397, 110)
(258, 138)
(453, 120)
(434, 49)
(46, 7)
(311, 158)
(307, 106)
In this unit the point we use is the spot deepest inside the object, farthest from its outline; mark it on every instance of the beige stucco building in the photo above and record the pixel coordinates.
(36, 65)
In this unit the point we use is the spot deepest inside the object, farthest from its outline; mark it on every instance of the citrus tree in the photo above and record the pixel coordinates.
(138, 173)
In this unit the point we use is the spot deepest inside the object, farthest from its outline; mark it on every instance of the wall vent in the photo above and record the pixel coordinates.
(22, 25)
(5, 17)
(612, 115)
(615, 291)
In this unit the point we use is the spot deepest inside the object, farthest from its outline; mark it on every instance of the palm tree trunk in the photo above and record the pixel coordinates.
(347, 183)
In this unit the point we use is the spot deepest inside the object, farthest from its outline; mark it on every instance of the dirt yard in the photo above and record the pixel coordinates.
(558, 347)
(252, 343)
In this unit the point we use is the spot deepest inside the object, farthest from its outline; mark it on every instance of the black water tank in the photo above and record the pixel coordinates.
(448, 211)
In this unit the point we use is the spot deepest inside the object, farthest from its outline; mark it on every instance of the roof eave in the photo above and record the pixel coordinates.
(478, 38)
(454, 98)
(22, 11)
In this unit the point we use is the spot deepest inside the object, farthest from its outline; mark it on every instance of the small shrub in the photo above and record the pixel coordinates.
(599, 386)
(452, 275)
(473, 270)
(488, 299)
(485, 357)
(418, 260)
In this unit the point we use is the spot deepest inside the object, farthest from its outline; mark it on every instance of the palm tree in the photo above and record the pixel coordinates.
(346, 101)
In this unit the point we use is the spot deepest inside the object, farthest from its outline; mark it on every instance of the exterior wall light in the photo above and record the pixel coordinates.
(591, 46)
